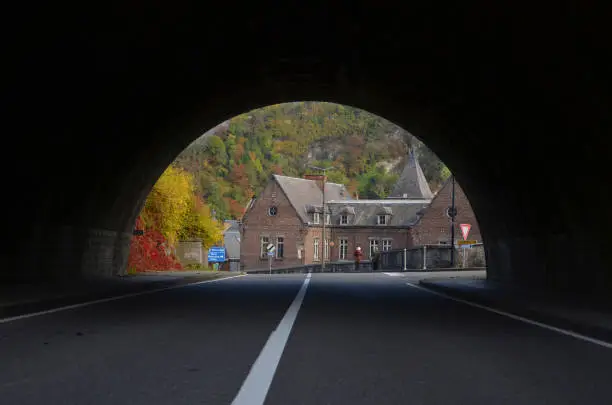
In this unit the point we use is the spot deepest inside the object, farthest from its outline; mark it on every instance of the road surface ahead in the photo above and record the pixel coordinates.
(289, 340)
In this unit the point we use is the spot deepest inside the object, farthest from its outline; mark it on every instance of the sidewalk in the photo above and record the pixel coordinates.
(18, 299)
(587, 318)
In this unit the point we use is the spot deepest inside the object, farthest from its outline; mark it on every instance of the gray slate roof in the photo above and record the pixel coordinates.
(231, 239)
(412, 182)
(402, 213)
(234, 226)
(305, 194)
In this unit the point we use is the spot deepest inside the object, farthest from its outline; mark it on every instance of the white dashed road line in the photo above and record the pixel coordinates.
(255, 388)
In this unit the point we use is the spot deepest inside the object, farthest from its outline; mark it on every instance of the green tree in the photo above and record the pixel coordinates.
(337, 176)
(216, 150)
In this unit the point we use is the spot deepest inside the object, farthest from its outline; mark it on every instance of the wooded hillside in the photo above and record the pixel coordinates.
(234, 161)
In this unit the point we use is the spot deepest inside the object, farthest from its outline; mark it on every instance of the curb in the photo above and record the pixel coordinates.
(515, 308)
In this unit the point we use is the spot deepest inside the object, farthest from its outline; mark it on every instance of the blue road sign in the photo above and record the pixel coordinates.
(216, 254)
(270, 253)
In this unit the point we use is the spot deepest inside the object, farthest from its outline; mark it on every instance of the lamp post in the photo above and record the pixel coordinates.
(324, 170)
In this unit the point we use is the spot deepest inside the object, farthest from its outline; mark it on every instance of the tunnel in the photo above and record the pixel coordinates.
(515, 100)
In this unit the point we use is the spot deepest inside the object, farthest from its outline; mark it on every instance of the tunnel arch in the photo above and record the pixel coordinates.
(146, 188)
(518, 91)
(153, 174)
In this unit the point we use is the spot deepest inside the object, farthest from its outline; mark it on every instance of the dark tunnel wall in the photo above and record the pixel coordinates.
(515, 101)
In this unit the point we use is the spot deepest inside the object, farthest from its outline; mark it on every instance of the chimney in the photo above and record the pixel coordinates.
(318, 178)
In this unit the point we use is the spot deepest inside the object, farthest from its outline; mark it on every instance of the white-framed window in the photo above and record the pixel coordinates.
(263, 243)
(326, 249)
(386, 244)
(327, 219)
(315, 218)
(373, 246)
(382, 220)
(315, 254)
(343, 250)
(343, 219)
(280, 247)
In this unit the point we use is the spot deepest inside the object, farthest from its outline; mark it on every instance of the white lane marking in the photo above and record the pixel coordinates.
(566, 332)
(255, 388)
(393, 274)
(118, 297)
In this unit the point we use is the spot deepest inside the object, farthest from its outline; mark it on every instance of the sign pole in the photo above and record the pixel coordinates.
(323, 236)
(452, 258)
(270, 252)
(323, 233)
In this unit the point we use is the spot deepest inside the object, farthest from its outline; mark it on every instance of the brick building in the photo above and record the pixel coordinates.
(433, 224)
(289, 214)
(282, 215)
(372, 224)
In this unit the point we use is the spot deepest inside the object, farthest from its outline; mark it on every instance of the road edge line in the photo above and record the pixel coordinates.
(108, 299)
(603, 343)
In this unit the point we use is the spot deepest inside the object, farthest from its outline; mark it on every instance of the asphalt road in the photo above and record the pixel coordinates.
(357, 339)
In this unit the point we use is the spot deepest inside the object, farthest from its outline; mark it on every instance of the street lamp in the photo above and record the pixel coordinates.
(453, 214)
(324, 170)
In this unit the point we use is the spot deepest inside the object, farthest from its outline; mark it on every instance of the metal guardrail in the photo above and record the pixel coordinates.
(334, 267)
(419, 259)
(422, 258)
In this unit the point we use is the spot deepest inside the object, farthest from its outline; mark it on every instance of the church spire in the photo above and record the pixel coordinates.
(412, 183)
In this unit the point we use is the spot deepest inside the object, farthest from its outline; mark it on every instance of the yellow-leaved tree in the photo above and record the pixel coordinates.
(173, 209)
(198, 223)
(168, 203)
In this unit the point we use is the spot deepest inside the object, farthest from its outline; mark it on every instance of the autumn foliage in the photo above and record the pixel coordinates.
(236, 159)
(149, 251)
(172, 212)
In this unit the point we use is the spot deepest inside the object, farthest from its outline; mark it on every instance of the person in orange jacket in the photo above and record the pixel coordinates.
(358, 254)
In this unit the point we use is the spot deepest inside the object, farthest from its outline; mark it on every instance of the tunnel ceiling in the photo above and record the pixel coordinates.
(515, 101)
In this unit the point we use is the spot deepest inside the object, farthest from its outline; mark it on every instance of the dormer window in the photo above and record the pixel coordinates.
(344, 214)
(383, 216)
(315, 218)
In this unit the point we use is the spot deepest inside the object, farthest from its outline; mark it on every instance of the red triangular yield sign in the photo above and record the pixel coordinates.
(465, 230)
